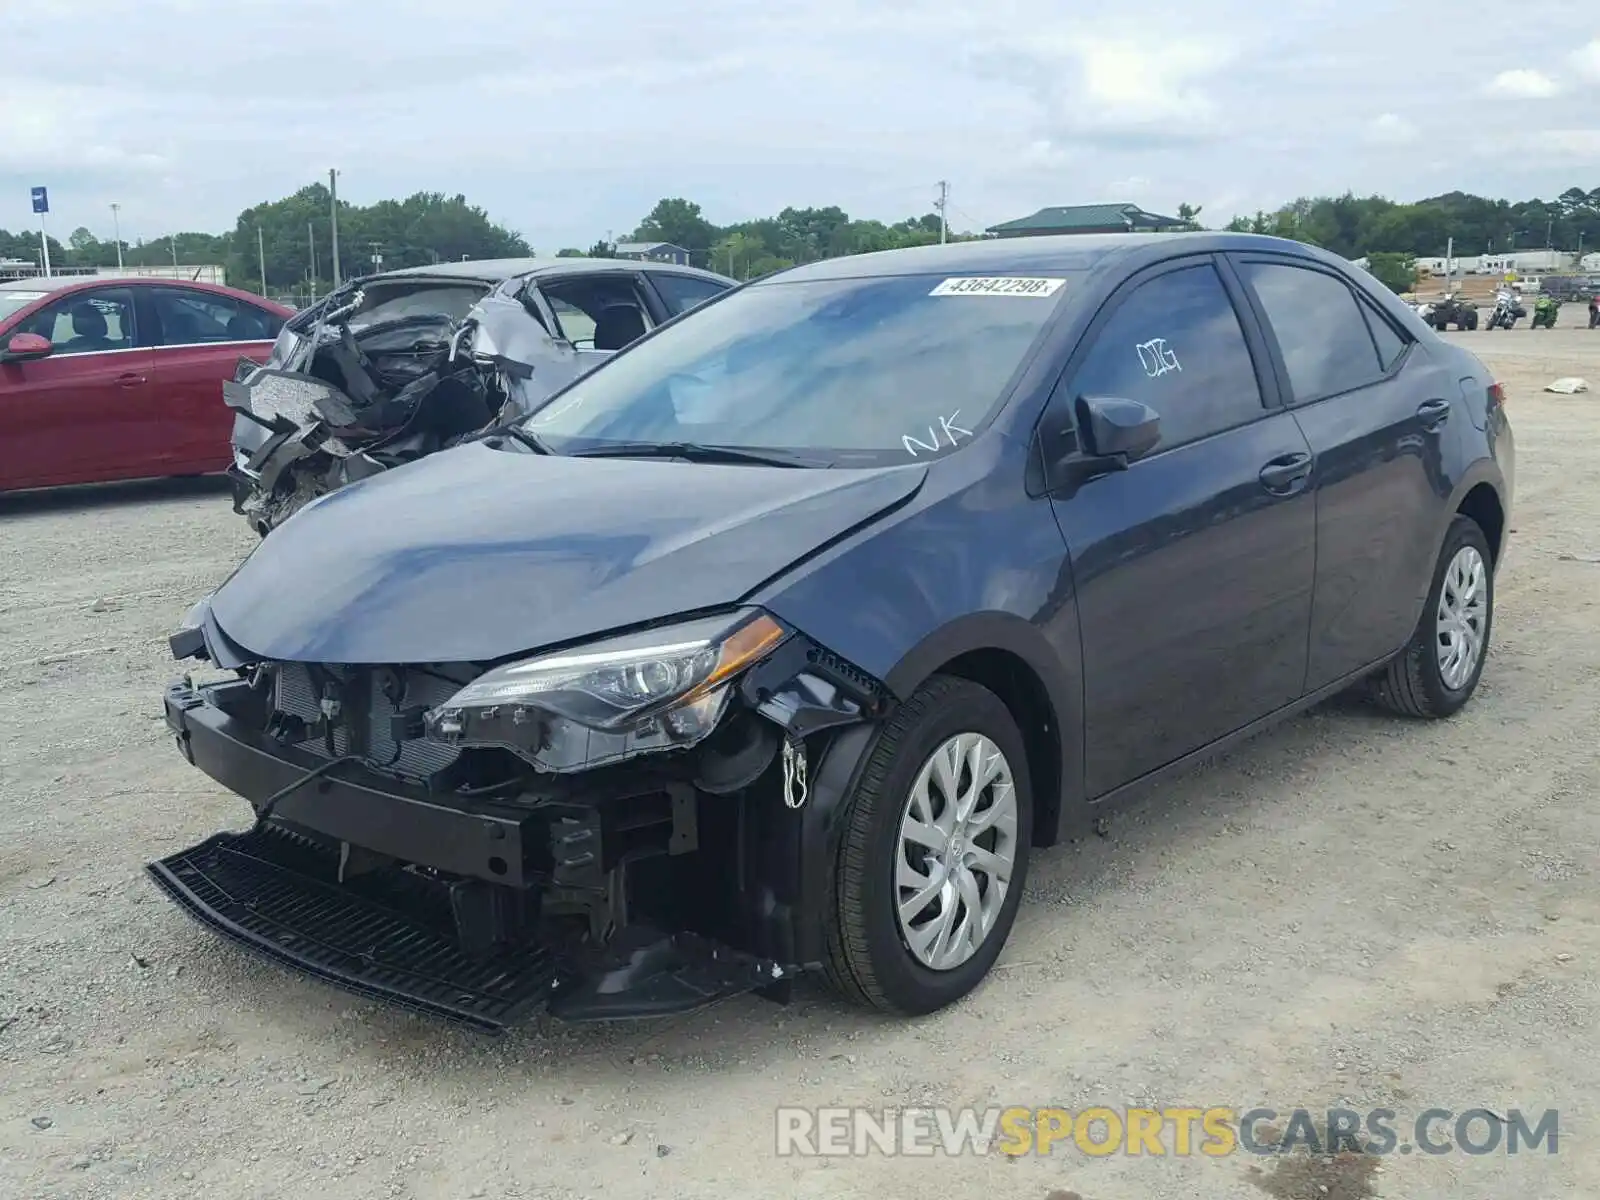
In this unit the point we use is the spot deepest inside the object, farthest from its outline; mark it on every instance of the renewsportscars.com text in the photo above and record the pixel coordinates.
(1177, 1131)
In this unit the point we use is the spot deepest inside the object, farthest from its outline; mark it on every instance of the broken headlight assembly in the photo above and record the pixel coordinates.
(587, 706)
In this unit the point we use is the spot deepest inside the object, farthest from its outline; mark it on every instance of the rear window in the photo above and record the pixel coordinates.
(398, 300)
(14, 302)
(885, 369)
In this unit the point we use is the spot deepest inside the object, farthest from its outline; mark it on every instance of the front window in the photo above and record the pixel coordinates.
(92, 322)
(856, 370)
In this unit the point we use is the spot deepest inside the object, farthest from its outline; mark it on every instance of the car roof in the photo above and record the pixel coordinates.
(1060, 252)
(64, 283)
(498, 270)
(54, 283)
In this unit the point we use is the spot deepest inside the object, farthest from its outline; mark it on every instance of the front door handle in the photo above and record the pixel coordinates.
(1287, 473)
(130, 379)
(1433, 413)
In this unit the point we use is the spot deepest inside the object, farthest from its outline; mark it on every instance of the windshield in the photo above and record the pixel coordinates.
(13, 302)
(858, 370)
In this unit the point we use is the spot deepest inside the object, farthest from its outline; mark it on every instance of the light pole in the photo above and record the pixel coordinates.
(116, 232)
(333, 204)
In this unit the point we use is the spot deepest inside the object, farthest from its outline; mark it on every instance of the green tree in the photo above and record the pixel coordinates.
(569, 252)
(679, 222)
(1189, 214)
(1397, 272)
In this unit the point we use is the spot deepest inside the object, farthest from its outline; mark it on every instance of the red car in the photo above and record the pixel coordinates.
(106, 378)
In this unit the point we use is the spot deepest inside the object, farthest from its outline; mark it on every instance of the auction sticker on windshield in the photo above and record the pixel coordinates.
(1002, 285)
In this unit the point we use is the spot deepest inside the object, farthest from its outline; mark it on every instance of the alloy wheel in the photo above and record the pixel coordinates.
(955, 852)
(1460, 620)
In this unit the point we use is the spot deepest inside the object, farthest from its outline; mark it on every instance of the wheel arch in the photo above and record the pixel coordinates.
(1481, 501)
(1012, 658)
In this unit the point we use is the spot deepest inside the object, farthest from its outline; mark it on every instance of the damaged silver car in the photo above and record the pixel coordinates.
(391, 368)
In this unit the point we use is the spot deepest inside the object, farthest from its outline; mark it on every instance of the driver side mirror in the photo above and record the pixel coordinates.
(1114, 428)
(26, 347)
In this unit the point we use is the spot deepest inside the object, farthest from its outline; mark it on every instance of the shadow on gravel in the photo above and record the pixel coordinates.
(1300, 1176)
(87, 497)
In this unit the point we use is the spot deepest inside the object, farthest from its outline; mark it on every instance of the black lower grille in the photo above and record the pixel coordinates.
(383, 937)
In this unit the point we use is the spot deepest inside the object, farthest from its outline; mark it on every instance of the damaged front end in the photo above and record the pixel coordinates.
(353, 394)
(625, 828)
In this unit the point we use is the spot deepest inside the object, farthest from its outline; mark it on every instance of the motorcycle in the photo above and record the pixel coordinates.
(1507, 310)
(1545, 309)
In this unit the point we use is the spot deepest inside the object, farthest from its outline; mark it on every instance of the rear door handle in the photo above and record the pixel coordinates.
(130, 379)
(1433, 413)
(1287, 473)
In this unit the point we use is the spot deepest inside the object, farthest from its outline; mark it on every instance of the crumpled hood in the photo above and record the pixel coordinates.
(477, 553)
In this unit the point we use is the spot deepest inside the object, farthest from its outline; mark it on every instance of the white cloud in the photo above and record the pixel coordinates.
(1391, 129)
(1103, 89)
(1523, 84)
(1586, 60)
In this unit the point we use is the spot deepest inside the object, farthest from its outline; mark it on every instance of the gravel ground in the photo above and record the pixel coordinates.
(1349, 909)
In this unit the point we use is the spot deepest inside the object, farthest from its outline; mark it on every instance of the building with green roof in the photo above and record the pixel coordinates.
(1088, 218)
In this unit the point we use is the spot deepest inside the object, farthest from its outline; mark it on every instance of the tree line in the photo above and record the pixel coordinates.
(295, 241)
(433, 227)
(748, 249)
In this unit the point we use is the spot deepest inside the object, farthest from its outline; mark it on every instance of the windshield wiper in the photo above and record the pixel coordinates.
(699, 452)
(517, 434)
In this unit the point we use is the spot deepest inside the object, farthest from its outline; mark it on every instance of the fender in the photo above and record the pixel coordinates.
(1482, 471)
(1061, 811)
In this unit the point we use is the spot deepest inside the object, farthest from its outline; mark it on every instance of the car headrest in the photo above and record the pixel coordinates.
(88, 321)
(617, 325)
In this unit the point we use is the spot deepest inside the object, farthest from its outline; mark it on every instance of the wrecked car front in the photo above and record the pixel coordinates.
(385, 371)
(511, 751)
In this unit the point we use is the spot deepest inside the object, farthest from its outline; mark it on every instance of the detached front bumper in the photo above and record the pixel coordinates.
(318, 887)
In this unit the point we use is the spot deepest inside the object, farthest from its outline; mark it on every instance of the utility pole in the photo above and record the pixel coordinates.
(173, 242)
(942, 204)
(333, 203)
(311, 242)
(116, 232)
(261, 257)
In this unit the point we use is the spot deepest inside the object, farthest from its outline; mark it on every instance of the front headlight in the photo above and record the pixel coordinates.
(573, 710)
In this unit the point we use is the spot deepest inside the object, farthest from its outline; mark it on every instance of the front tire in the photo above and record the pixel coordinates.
(934, 852)
(1438, 671)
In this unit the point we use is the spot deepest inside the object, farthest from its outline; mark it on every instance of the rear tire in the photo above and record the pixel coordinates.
(870, 960)
(1426, 680)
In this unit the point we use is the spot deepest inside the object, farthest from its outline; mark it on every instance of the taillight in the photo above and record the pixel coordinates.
(1497, 396)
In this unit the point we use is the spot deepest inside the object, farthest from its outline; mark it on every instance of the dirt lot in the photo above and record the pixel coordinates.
(1350, 910)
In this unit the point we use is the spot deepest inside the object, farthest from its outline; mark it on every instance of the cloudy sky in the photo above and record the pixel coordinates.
(572, 123)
